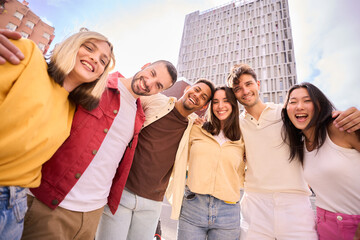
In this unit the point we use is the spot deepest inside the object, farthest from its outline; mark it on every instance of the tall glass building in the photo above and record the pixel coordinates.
(256, 32)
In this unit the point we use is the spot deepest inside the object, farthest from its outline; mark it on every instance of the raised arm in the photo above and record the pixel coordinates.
(8, 51)
(348, 120)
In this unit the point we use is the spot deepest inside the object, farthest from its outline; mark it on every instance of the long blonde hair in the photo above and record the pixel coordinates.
(62, 62)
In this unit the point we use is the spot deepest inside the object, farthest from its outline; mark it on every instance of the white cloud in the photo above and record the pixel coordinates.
(57, 3)
(327, 50)
(150, 33)
(47, 21)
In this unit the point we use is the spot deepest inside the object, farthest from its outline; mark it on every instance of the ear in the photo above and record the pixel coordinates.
(258, 83)
(145, 66)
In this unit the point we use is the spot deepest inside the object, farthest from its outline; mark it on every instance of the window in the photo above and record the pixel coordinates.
(41, 46)
(18, 15)
(46, 35)
(11, 26)
(24, 35)
(30, 24)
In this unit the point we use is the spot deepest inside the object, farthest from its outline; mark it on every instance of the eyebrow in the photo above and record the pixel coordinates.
(95, 46)
(203, 92)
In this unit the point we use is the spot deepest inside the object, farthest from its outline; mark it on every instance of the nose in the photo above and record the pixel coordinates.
(221, 104)
(300, 105)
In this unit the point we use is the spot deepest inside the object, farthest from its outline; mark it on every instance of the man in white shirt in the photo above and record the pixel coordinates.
(276, 201)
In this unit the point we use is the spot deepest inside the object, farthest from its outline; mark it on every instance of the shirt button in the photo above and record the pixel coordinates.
(252, 118)
(106, 130)
(339, 218)
(55, 202)
(78, 175)
(94, 152)
(115, 111)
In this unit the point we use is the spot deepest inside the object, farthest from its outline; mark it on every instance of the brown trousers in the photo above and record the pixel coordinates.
(43, 223)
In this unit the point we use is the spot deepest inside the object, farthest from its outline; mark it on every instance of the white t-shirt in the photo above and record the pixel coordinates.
(333, 173)
(92, 189)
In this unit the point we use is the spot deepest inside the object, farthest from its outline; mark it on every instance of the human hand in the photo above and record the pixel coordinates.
(348, 120)
(8, 51)
(199, 121)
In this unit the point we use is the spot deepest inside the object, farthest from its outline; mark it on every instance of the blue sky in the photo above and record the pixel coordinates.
(326, 35)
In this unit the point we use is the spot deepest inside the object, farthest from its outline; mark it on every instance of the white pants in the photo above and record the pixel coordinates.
(135, 219)
(280, 216)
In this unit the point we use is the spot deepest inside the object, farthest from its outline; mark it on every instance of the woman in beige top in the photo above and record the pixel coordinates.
(210, 208)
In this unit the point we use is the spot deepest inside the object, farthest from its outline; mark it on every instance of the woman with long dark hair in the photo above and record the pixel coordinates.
(330, 158)
(210, 208)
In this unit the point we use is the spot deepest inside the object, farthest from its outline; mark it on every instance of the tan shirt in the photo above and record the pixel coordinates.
(215, 169)
(267, 156)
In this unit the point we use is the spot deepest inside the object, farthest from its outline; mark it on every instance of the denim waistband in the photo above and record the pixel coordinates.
(12, 193)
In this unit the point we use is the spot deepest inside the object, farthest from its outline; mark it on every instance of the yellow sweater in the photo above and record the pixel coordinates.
(35, 117)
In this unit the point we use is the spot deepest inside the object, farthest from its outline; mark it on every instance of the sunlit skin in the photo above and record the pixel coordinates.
(221, 106)
(247, 93)
(193, 99)
(247, 90)
(300, 110)
(151, 80)
(91, 60)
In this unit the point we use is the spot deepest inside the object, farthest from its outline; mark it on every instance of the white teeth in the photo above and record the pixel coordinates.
(142, 84)
(191, 100)
(88, 65)
(300, 115)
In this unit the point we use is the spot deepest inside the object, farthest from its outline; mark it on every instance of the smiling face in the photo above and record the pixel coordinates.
(221, 106)
(195, 97)
(247, 90)
(300, 108)
(91, 60)
(151, 80)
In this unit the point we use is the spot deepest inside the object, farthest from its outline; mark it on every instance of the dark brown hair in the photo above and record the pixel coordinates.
(322, 118)
(236, 71)
(231, 126)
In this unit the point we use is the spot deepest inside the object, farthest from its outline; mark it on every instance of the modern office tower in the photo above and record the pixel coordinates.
(256, 32)
(17, 16)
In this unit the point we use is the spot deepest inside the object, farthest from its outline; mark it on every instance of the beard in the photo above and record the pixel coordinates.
(136, 81)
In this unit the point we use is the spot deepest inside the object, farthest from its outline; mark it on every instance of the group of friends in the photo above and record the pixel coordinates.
(89, 154)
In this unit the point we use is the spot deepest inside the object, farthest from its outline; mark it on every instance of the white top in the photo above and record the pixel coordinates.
(267, 156)
(333, 173)
(221, 138)
(92, 189)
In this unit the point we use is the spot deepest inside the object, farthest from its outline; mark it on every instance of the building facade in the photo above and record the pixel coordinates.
(256, 32)
(17, 16)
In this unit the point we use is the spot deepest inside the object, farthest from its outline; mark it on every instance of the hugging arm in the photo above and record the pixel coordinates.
(348, 120)
(8, 51)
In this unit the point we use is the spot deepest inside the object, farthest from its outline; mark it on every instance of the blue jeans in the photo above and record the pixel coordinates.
(13, 206)
(206, 217)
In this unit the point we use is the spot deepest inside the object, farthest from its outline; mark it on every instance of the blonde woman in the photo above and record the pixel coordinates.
(37, 104)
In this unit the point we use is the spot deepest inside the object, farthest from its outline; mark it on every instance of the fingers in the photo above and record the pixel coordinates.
(8, 51)
(10, 34)
(348, 120)
(199, 121)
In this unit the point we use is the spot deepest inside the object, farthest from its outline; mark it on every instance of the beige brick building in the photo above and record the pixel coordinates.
(256, 32)
(18, 16)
